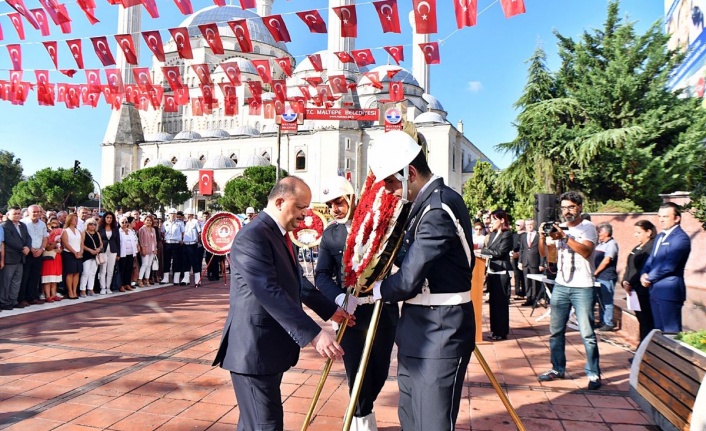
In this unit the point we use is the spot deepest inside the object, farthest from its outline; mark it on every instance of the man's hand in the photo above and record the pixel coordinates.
(519, 266)
(327, 346)
(37, 252)
(351, 302)
(626, 286)
(340, 316)
(25, 250)
(644, 281)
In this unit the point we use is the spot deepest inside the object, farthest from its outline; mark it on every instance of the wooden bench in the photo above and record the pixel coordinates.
(667, 382)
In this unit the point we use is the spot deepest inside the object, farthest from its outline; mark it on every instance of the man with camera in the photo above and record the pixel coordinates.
(575, 241)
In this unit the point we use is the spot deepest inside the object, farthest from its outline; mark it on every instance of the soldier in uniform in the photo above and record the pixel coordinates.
(340, 198)
(190, 249)
(173, 234)
(435, 334)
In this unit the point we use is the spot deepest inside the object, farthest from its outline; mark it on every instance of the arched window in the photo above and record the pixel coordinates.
(300, 161)
(234, 158)
(174, 160)
(266, 155)
(159, 127)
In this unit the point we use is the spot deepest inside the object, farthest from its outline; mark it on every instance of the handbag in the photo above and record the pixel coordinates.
(100, 259)
(155, 264)
(49, 254)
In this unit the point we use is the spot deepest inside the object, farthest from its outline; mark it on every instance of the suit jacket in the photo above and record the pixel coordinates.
(433, 252)
(266, 325)
(636, 261)
(499, 249)
(112, 244)
(15, 242)
(529, 253)
(665, 270)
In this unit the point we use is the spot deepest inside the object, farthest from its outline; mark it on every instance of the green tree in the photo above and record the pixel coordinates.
(10, 175)
(148, 189)
(250, 189)
(481, 191)
(53, 189)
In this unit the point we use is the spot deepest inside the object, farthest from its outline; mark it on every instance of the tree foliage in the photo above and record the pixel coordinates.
(53, 189)
(10, 175)
(605, 123)
(148, 189)
(250, 189)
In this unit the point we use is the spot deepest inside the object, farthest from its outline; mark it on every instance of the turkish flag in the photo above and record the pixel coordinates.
(512, 7)
(242, 34)
(202, 72)
(182, 96)
(184, 6)
(143, 102)
(19, 94)
(41, 17)
(197, 107)
(313, 20)
(151, 7)
(231, 105)
(20, 7)
(396, 52)
(219, 3)
(349, 20)
(1, 38)
(228, 90)
(254, 106)
(278, 29)
(324, 92)
(170, 104)
(305, 92)
(344, 57)
(269, 107)
(93, 81)
(255, 88)
(392, 72)
(65, 26)
(425, 16)
(42, 77)
(279, 87)
(115, 81)
(396, 91)
(51, 49)
(363, 57)
(232, 71)
(389, 16)
(315, 61)
(173, 77)
(108, 95)
(100, 45)
(431, 52)
(154, 42)
(88, 7)
(338, 83)
(374, 78)
(15, 52)
(314, 80)
(208, 96)
(75, 48)
(57, 12)
(279, 107)
(466, 13)
(247, 4)
(181, 38)
(263, 70)
(68, 72)
(285, 64)
(210, 33)
(117, 102)
(16, 20)
(71, 99)
(156, 94)
(127, 46)
(142, 78)
(205, 182)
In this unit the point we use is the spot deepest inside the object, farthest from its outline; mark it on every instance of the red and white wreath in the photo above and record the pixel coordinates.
(310, 230)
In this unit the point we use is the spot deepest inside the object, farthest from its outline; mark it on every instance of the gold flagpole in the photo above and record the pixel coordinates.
(499, 390)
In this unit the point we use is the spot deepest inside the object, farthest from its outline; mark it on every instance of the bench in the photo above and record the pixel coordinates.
(667, 382)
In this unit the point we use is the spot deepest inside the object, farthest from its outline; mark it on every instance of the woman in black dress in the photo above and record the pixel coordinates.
(498, 279)
(645, 233)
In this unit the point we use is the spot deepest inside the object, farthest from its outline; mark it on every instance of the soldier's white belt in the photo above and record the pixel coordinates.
(429, 299)
(365, 300)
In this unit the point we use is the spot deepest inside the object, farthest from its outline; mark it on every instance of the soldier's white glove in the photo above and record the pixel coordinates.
(351, 305)
(376, 290)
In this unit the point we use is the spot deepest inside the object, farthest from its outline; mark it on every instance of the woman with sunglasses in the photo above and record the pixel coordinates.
(92, 247)
(110, 238)
(128, 251)
(51, 266)
(71, 254)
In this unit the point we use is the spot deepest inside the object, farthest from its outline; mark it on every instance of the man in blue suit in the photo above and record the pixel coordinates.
(266, 326)
(663, 272)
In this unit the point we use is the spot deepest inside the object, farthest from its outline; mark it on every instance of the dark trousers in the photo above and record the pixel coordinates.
(499, 310)
(214, 265)
(376, 373)
(172, 258)
(518, 278)
(259, 401)
(31, 275)
(532, 286)
(191, 258)
(125, 266)
(644, 316)
(430, 392)
(667, 315)
(11, 281)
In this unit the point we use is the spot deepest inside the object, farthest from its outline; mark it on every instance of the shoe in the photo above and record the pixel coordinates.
(176, 278)
(22, 304)
(165, 279)
(594, 382)
(527, 304)
(519, 297)
(57, 298)
(186, 279)
(42, 297)
(122, 289)
(498, 337)
(36, 301)
(7, 307)
(550, 376)
(606, 328)
(140, 284)
(129, 288)
(91, 293)
(197, 279)
(49, 300)
(73, 297)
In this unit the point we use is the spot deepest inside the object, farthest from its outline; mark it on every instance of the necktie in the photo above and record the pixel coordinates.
(659, 242)
(290, 247)
(530, 238)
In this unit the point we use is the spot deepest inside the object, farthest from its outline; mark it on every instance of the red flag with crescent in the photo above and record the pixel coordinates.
(279, 87)
(182, 96)
(305, 92)
(278, 29)
(396, 52)
(197, 107)
(425, 16)
(45, 90)
(374, 78)
(127, 46)
(100, 45)
(263, 70)
(314, 80)
(156, 94)
(208, 96)
(254, 106)
(512, 7)
(115, 81)
(16, 20)
(466, 13)
(65, 26)
(392, 72)
(349, 20)
(71, 98)
(247, 4)
(315, 61)
(285, 64)
(88, 7)
(15, 52)
(206, 182)
(151, 7)
(232, 71)
(50, 46)
(75, 48)
(431, 52)
(396, 91)
(269, 107)
(344, 57)
(153, 39)
(313, 20)
(389, 16)
(57, 12)
(363, 57)
(184, 6)
(324, 92)
(93, 81)
(210, 33)
(242, 34)
(202, 72)
(255, 89)
(181, 38)
(41, 17)
(20, 7)
(338, 83)
(170, 104)
(142, 78)
(173, 77)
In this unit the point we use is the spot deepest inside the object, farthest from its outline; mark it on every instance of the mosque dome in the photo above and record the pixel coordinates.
(221, 15)
(433, 103)
(215, 133)
(269, 128)
(254, 160)
(402, 75)
(159, 137)
(187, 135)
(187, 163)
(245, 131)
(219, 162)
(429, 117)
(160, 162)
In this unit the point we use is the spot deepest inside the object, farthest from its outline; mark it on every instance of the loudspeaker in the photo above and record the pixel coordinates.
(546, 208)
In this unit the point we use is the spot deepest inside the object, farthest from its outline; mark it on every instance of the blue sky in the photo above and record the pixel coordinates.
(481, 75)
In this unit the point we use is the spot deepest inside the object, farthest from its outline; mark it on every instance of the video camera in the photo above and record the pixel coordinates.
(549, 228)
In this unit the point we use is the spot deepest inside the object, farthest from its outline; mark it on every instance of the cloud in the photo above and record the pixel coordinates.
(474, 86)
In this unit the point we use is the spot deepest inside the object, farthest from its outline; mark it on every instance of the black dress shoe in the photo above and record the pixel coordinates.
(527, 304)
(8, 307)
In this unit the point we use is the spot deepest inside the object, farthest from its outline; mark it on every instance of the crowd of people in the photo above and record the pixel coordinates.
(48, 256)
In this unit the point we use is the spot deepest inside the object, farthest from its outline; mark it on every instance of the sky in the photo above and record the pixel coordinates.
(482, 73)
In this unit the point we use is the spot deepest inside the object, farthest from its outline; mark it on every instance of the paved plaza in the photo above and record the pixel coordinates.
(142, 361)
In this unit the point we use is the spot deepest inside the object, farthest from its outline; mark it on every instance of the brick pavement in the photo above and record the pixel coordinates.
(142, 361)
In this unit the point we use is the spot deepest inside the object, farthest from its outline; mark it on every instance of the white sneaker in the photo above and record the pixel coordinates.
(176, 278)
(197, 279)
(186, 278)
(42, 297)
(165, 279)
(365, 423)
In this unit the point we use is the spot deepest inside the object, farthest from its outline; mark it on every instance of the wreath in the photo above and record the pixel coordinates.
(310, 230)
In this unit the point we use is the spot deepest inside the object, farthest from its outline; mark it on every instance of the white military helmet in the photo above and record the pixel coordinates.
(392, 154)
(336, 187)
(172, 211)
(250, 210)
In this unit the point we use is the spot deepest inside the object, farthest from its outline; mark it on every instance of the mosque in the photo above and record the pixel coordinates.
(227, 144)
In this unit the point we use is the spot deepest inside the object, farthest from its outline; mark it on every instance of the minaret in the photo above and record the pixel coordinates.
(264, 7)
(336, 43)
(420, 69)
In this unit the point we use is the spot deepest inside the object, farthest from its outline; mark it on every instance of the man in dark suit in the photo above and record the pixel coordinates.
(266, 326)
(435, 334)
(529, 261)
(17, 246)
(663, 272)
(517, 276)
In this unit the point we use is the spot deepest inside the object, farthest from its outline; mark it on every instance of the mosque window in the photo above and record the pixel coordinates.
(266, 155)
(234, 158)
(348, 164)
(208, 125)
(256, 49)
(231, 123)
(159, 127)
(146, 162)
(219, 124)
(453, 159)
(191, 124)
(300, 161)
(348, 143)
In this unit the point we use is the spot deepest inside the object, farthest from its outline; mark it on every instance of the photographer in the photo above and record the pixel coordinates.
(575, 241)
